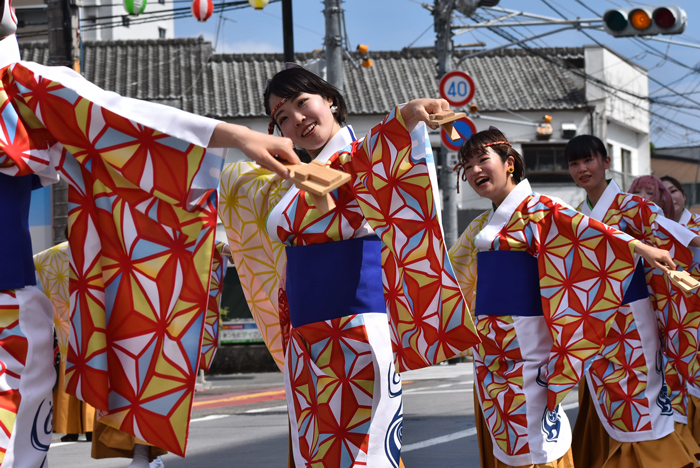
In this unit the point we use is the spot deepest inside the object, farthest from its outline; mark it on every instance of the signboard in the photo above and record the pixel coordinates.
(457, 88)
(466, 128)
(240, 331)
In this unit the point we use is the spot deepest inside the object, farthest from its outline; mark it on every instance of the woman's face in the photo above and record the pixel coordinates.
(489, 176)
(677, 196)
(646, 193)
(307, 120)
(589, 172)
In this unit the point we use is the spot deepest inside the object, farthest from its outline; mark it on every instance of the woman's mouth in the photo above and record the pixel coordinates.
(308, 129)
(585, 178)
(481, 180)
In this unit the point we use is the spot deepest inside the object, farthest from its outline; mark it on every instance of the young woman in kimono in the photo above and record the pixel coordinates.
(348, 298)
(544, 282)
(142, 219)
(692, 222)
(627, 416)
(654, 190)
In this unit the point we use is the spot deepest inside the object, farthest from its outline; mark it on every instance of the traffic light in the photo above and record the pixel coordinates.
(645, 21)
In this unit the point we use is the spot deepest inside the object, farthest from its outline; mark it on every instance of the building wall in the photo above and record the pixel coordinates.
(92, 9)
(687, 172)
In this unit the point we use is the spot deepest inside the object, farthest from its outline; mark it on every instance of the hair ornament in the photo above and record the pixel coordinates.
(497, 143)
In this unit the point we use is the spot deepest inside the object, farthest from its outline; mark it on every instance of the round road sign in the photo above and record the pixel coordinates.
(457, 88)
(466, 129)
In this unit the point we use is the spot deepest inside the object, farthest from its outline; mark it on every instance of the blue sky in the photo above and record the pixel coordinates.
(394, 24)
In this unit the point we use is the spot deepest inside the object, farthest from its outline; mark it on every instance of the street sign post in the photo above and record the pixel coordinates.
(457, 88)
(466, 128)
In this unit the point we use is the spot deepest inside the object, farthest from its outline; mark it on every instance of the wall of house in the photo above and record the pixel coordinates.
(92, 8)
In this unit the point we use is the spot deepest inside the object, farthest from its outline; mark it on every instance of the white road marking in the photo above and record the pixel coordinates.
(456, 435)
(263, 410)
(211, 417)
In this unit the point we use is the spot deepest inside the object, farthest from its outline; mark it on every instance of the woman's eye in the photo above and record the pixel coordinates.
(302, 101)
(467, 168)
(483, 160)
(282, 120)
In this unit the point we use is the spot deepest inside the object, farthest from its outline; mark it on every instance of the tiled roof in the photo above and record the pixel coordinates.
(185, 73)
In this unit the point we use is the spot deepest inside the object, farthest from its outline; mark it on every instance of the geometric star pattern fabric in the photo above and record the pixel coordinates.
(142, 216)
(584, 269)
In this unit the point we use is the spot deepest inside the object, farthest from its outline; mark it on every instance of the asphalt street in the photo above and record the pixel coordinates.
(241, 421)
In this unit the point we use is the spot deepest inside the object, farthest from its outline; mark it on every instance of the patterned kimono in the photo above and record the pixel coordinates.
(142, 219)
(545, 282)
(631, 379)
(692, 222)
(353, 296)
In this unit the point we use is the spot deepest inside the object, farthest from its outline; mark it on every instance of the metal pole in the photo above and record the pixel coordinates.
(442, 13)
(288, 30)
(334, 44)
(63, 23)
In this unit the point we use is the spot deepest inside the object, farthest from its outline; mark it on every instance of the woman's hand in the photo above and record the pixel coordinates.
(657, 258)
(259, 147)
(419, 110)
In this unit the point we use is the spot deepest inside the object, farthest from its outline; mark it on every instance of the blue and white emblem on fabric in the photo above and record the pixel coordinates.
(392, 442)
(551, 424)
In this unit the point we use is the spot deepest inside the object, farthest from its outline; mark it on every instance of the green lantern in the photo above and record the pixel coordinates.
(134, 7)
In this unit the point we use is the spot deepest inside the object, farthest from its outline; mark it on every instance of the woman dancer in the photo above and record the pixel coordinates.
(627, 378)
(566, 276)
(336, 276)
(653, 189)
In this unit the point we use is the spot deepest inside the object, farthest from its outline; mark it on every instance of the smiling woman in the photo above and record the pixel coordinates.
(534, 338)
(361, 305)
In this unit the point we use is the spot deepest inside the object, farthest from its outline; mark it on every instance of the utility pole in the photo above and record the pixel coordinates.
(334, 44)
(442, 13)
(288, 30)
(63, 51)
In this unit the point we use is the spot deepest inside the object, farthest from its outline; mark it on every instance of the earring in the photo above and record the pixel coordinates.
(334, 109)
(511, 170)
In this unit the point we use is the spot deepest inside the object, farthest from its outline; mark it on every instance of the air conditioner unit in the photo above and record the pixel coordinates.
(568, 130)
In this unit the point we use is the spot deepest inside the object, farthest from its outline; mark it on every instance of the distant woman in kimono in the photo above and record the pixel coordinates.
(653, 189)
(627, 409)
(692, 221)
(544, 282)
(348, 298)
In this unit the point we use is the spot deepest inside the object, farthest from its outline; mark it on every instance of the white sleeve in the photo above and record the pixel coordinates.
(188, 127)
(682, 234)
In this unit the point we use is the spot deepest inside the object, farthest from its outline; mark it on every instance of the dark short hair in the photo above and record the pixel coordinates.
(584, 146)
(476, 145)
(292, 82)
(675, 183)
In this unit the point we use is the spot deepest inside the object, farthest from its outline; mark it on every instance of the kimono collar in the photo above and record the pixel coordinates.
(685, 217)
(9, 51)
(340, 140)
(601, 208)
(502, 215)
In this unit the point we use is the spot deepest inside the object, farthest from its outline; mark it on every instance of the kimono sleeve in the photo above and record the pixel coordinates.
(428, 316)
(247, 194)
(463, 257)
(210, 338)
(585, 268)
(53, 272)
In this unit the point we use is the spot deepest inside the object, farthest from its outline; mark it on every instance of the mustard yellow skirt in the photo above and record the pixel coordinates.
(594, 448)
(694, 417)
(488, 459)
(108, 442)
(70, 415)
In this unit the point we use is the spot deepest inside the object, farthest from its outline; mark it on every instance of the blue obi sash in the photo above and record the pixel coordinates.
(637, 289)
(16, 262)
(508, 283)
(333, 280)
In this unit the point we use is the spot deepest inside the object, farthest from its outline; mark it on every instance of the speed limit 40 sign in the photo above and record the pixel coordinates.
(457, 88)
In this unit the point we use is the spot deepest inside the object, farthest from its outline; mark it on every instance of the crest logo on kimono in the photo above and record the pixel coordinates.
(551, 424)
(664, 402)
(37, 442)
(394, 436)
(394, 383)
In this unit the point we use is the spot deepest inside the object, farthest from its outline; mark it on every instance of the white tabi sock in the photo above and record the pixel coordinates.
(140, 457)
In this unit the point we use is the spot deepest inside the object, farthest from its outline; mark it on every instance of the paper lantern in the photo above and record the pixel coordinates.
(258, 4)
(202, 9)
(134, 7)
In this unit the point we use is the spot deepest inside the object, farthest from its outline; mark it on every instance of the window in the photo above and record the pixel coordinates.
(546, 163)
(626, 168)
(161, 33)
(162, 2)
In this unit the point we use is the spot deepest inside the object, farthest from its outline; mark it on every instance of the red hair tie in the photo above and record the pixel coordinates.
(497, 143)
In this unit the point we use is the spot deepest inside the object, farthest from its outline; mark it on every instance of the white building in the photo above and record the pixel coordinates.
(98, 18)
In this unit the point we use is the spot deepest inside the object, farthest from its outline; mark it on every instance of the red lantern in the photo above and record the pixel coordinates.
(202, 9)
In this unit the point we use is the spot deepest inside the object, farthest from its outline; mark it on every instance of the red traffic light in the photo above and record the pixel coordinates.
(664, 18)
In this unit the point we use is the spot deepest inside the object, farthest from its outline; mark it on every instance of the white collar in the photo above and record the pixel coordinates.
(685, 217)
(601, 208)
(502, 215)
(9, 51)
(340, 140)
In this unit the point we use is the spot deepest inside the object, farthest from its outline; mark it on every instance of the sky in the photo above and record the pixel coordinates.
(395, 24)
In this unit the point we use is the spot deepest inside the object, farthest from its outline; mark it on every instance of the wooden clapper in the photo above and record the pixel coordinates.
(445, 118)
(683, 281)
